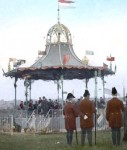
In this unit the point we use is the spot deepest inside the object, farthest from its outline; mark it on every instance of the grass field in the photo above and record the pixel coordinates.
(20, 141)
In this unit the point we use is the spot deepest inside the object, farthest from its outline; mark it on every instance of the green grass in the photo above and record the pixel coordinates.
(50, 142)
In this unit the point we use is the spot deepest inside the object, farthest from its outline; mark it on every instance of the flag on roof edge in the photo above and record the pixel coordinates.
(89, 52)
(105, 65)
(12, 59)
(110, 58)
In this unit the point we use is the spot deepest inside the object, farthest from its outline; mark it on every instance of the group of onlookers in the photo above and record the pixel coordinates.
(85, 110)
(42, 106)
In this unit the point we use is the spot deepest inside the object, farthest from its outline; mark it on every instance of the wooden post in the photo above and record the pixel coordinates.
(125, 125)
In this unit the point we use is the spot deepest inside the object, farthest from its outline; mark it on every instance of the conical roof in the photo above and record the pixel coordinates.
(59, 49)
(59, 60)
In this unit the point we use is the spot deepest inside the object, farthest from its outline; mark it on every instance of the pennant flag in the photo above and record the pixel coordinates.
(41, 52)
(88, 52)
(19, 62)
(110, 58)
(66, 59)
(22, 61)
(12, 59)
(105, 65)
(66, 1)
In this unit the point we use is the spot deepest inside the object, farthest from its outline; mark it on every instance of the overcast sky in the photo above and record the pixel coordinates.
(97, 25)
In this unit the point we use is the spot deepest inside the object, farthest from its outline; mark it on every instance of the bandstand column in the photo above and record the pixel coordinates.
(15, 86)
(30, 82)
(26, 84)
(62, 90)
(95, 74)
(58, 89)
(103, 82)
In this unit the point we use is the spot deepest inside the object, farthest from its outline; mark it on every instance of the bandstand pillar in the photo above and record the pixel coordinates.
(26, 84)
(15, 86)
(62, 91)
(95, 75)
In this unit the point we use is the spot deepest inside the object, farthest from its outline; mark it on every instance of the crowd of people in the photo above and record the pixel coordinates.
(85, 110)
(42, 106)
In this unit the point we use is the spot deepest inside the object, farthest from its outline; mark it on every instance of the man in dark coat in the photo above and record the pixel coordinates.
(114, 111)
(70, 113)
(87, 109)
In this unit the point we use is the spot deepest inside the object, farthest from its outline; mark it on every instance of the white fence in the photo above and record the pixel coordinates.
(53, 122)
(6, 124)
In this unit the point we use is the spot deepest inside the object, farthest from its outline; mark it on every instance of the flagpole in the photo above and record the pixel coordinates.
(58, 10)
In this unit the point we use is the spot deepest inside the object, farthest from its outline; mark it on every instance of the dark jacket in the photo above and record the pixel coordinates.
(86, 107)
(114, 112)
(70, 112)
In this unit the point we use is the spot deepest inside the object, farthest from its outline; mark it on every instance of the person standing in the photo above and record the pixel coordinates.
(86, 109)
(70, 113)
(114, 111)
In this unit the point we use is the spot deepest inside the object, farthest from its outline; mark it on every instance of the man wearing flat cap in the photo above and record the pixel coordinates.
(70, 113)
(114, 111)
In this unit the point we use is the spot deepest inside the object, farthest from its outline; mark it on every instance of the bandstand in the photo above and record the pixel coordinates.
(58, 63)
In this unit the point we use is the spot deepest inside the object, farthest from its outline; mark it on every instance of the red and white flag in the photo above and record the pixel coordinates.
(110, 58)
(65, 1)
